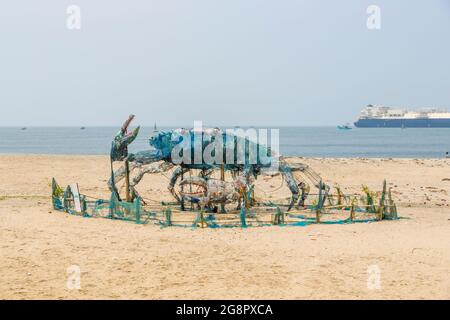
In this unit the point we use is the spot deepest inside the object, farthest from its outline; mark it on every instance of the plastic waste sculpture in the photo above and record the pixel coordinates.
(178, 150)
(166, 147)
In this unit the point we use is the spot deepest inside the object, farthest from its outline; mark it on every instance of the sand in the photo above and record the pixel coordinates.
(121, 260)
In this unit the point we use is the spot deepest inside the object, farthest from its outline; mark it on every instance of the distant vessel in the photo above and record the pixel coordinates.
(82, 128)
(23, 128)
(345, 127)
(374, 116)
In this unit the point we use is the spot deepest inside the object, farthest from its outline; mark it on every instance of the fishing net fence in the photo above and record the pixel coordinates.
(324, 207)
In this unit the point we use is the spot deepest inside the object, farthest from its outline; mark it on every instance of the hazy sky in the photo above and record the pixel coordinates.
(226, 62)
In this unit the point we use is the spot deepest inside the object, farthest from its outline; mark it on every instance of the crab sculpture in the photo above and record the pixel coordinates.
(166, 144)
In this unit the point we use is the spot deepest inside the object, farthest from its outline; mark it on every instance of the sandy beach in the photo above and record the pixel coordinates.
(121, 260)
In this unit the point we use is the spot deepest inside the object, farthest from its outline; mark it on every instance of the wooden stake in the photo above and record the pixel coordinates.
(182, 207)
(137, 208)
(202, 220)
(319, 202)
(352, 211)
(168, 217)
(222, 177)
(127, 181)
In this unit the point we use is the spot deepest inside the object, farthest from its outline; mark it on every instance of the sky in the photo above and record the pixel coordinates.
(224, 62)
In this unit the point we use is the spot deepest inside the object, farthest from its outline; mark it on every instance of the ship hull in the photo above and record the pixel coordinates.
(403, 123)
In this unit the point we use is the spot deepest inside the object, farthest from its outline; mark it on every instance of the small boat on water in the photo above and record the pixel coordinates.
(23, 128)
(82, 128)
(345, 127)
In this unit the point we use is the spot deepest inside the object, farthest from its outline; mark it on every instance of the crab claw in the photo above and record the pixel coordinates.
(129, 137)
(127, 123)
(119, 147)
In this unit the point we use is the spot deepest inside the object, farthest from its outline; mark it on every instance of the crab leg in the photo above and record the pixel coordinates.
(173, 180)
(305, 192)
(292, 184)
(156, 167)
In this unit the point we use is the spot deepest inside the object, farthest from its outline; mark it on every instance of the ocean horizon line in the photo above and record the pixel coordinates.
(167, 126)
(312, 157)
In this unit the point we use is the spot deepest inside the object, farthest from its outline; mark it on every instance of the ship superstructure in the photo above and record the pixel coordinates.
(376, 116)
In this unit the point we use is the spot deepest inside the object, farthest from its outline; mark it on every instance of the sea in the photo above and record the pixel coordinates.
(327, 142)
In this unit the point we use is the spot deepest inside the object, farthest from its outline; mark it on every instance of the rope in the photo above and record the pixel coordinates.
(152, 200)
